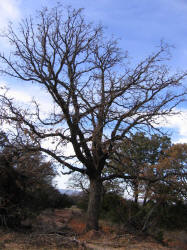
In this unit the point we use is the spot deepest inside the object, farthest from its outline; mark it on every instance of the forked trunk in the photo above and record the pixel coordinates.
(94, 204)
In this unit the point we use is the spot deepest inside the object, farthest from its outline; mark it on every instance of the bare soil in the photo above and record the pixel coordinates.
(65, 229)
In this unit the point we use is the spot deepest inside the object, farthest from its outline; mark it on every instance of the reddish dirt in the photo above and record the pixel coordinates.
(65, 229)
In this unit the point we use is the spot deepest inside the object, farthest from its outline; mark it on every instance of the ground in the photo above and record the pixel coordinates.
(64, 229)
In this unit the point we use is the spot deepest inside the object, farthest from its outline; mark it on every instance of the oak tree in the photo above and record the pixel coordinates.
(98, 98)
(136, 157)
(172, 171)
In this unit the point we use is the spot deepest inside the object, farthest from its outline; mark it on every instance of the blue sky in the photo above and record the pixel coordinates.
(140, 25)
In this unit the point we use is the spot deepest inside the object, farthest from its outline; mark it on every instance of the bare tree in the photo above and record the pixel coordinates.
(98, 99)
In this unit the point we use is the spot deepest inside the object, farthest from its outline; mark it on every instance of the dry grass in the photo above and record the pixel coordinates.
(68, 232)
(21, 241)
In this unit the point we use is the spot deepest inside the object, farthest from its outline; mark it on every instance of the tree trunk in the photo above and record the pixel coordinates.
(136, 191)
(136, 198)
(94, 204)
(145, 200)
(146, 195)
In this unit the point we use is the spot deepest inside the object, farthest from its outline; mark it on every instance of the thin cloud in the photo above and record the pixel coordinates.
(9, 11)
(21, 96)
(178, 124)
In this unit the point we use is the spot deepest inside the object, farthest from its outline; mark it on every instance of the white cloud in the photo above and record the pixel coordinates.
(177, 122)
(20, 96)
(61, 181)
(26, 95)
(9, 11)
(3, 85)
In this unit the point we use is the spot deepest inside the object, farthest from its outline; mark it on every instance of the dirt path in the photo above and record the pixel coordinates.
(64, 229)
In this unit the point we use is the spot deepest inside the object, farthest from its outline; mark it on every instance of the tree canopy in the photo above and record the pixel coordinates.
(98, 98)
(25, 182)
(136, 158)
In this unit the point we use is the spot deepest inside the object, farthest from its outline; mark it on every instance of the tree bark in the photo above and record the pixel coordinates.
(146, 195)
(145, 200)
(94, 204)
(136, 191)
